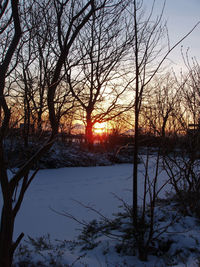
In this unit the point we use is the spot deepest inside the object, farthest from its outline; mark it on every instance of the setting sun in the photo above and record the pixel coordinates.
(99, 128)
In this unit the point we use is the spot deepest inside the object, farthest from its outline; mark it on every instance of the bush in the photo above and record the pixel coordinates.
(184, 175)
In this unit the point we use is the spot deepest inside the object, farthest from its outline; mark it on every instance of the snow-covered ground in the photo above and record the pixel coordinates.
(59, 189)
(64, 189)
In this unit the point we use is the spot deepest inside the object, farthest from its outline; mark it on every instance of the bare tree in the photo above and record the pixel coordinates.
(10, 23)
(148, 53)
(95, 81)
(161, 106)
(190, 88)
(77, 15)
(146, 48)
(182, 168)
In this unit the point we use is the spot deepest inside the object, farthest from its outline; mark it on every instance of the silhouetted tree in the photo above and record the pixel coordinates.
(161, 105)
(76, 15)
(95, 80)
(148, 54)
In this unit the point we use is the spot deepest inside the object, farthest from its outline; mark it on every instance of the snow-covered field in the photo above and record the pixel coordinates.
(59, 189)
(64, 189)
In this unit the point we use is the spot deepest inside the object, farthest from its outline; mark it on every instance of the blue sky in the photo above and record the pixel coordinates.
(181, 16)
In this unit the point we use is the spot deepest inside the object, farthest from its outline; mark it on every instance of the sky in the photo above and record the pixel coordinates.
(181, 16)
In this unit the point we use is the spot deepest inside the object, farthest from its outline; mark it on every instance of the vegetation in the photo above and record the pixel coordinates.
(63, 62)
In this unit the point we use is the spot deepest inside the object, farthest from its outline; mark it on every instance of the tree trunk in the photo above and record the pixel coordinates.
(0, 116)
(135, 171)
(26, 128)
(137, 104)
(143, 253)
(6, 233)
(88, 132)
(39, 122)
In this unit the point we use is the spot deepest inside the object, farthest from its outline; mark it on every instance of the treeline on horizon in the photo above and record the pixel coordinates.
(97, 82)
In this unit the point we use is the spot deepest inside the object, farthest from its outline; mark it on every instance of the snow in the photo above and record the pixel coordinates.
(63, 190)
(59, 189)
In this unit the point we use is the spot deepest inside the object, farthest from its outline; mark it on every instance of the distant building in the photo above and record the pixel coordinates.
(193, 129)
(193, 134)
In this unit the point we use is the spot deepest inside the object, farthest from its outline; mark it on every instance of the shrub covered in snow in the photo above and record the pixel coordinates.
(65, 155)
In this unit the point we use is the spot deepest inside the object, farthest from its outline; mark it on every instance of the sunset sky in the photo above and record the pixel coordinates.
(181, 16)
